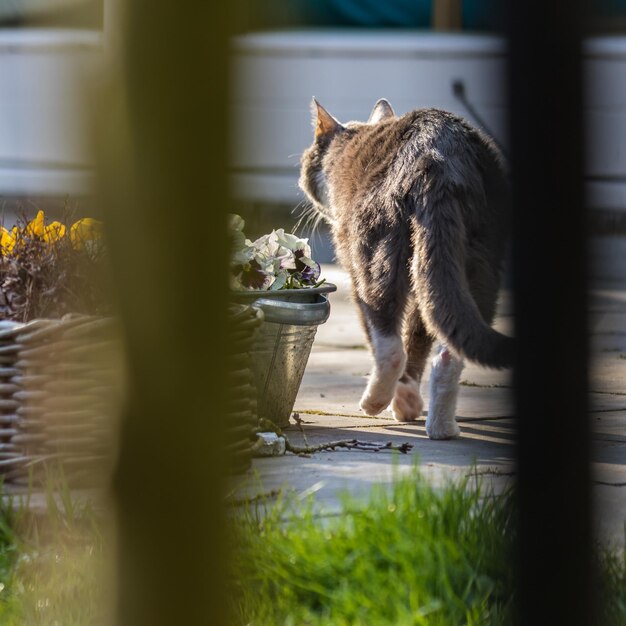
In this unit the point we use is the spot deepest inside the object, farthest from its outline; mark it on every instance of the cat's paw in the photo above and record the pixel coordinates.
(407, 404)
(372, 404)
(443, 430)
(377, 396)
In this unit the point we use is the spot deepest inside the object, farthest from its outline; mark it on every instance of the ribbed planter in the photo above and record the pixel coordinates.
(282, 347)
(241, 424)
(61, 384)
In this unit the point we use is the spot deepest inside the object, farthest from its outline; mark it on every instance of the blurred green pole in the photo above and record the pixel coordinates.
(163, 148)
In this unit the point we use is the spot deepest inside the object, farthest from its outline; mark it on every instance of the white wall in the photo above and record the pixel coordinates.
(605, 120)
(277, 73)
(44, 134)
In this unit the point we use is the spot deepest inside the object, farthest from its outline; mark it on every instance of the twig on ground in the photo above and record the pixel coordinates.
(350, 444)
(299, 421)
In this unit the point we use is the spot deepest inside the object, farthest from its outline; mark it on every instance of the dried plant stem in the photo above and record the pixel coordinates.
(350, 444)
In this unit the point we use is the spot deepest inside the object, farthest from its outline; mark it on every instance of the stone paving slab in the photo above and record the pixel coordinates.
(339, 397)
(329, 474)
(336, 379)
(610, 474)
(605, 344)
(612, 424)
(336, 376)
(608, 373)
(609, 506)
(599, 401)
(482, 377)
(344, 331)
(610, 452)
(608, 322)
(324, 428)
(607, 427)
(485, 449)
(332, 475)
(607, 299)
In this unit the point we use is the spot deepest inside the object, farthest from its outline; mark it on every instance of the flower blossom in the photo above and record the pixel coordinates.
(278, 260)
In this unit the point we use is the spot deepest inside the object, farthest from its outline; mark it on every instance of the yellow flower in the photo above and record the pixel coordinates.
(36, 228)
(7, 240)
(53, 232)
(86, 229)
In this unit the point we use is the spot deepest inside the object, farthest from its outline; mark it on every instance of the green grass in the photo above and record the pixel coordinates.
(413, 555)
(51, 565)
(611, 568)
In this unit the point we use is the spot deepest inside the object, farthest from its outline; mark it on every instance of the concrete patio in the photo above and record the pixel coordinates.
(327, 406)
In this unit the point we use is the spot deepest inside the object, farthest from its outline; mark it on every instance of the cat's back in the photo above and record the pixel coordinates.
(392, 154)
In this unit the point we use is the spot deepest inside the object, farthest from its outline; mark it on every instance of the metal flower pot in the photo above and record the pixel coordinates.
(282, 347)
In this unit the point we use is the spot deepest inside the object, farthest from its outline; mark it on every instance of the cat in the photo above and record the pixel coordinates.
(418, 206)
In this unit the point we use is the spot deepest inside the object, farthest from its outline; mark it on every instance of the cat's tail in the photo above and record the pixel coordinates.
(446, 303)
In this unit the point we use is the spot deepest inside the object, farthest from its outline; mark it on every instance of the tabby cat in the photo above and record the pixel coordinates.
(418, 207)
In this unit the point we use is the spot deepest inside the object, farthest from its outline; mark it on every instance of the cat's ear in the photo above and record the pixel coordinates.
(324, 123)
(381, 111)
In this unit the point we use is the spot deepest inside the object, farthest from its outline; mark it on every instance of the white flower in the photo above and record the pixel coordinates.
(274, 261)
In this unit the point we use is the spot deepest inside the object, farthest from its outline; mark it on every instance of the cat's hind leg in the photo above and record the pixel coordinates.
(444, 389)
(407, 402)
(380, 282)
(381, 325)
(389, 362)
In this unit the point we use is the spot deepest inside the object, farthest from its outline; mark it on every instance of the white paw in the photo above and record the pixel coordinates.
(443, 430)
(375, 400)
(407, 404)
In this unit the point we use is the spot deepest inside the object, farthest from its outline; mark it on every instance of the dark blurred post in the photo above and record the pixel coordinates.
(163, 139)
(447, 15)
(550, 308)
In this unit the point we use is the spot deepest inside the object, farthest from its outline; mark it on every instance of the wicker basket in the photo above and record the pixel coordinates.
(60, 385)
